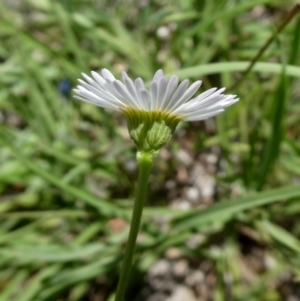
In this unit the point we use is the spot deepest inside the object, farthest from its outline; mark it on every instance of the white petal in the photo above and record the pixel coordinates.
(172, 85)
(107, 74)
(203, 95)
(95, 89)
(230, 99)
(111, 89)
(221, 101)
(202, 100)
(203, 116)
(153, 94)
(99, 79)
(98, 90)
(158, 75)
(125, 94)
(161, 93)
(190, 107)
(139, 85)
(187, 95)
(99, 104)
(125, 75)
(200, 111)
(131, 89)
(92, 98)
(208, 93)
(90, 80)
(177, 95)
(205, 100)
(146, 99)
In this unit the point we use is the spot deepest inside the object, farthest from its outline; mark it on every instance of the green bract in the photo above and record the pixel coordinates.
(150, 130)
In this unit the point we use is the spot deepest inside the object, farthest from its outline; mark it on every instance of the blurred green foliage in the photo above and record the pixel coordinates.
(64, 177)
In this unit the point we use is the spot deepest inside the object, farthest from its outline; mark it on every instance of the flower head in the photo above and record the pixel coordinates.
(152, 114)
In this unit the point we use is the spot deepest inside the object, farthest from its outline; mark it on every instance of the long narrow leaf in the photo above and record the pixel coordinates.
(212, 213)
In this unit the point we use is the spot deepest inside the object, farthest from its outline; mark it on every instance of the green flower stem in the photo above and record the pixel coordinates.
(145, 161)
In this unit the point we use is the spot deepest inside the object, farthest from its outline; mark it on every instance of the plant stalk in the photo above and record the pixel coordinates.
(145, 161)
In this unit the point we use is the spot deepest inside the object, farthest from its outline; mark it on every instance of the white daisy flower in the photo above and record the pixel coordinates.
(165, 102)
(163, 95)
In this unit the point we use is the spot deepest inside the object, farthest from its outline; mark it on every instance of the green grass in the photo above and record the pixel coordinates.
(63, 176)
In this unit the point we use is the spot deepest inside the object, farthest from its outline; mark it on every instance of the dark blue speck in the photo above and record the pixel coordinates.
(64, 87)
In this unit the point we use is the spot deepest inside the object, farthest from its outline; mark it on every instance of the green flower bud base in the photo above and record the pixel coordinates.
(150, 130)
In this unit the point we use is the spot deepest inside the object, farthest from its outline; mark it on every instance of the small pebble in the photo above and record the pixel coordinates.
(184, 157)
(194, 241)
(192, 194)
(180, 268)
(182, 204)
(182, 293)
(195, 278)
(173, 253)
(160, 268)
(163, 32)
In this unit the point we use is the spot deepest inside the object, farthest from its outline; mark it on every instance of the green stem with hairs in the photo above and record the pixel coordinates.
(145, 161)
